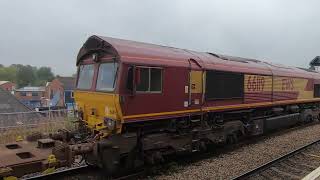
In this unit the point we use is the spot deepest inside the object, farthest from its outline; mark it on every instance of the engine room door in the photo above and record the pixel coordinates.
(195, 86)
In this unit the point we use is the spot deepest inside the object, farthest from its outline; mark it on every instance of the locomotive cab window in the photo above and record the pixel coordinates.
(316, 90)
(106, 77)
(86, 73)
(149, 79)
(224, 85)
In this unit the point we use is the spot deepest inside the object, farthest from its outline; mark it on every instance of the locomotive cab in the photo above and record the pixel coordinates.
(96, 93)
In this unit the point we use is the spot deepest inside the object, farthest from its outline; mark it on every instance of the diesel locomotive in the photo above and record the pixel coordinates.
(143, 101)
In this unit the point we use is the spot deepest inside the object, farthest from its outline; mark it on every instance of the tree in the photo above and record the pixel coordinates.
(44, 74)
(8, 74)
(25, 76)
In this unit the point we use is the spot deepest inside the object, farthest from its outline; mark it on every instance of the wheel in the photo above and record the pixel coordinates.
(309, 119)
(232, 138)
(203, 146)
(235, 138)
(110, 160)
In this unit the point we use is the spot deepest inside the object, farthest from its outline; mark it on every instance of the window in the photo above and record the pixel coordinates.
(143, 79)
(86, 73)
(106, 77)
(224, 85)
(34, 94)
(71, 94)
(23, 93)
(316, 90)
(149, 79)
(51, 94)
(130, 79)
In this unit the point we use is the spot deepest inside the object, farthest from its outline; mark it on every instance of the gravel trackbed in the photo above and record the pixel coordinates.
(233, 163)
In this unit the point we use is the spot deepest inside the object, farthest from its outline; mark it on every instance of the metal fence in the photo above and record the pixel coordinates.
(21, 124)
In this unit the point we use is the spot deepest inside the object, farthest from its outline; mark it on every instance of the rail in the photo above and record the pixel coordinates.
(58, 173)
(72, 173)
(271, 164)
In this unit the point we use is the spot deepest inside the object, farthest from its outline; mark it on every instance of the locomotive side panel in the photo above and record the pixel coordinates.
(289, 88)
(170, 102)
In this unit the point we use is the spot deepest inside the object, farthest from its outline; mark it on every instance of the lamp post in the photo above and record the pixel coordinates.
(48, 104)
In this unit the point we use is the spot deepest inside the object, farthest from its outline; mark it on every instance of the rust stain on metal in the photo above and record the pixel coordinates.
(23, 157)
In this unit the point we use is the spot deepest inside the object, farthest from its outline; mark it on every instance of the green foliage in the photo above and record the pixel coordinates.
(24, 75)
(44, 73)
(8, 73)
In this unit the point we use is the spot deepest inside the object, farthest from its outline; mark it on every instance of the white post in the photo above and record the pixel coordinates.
(49, 102)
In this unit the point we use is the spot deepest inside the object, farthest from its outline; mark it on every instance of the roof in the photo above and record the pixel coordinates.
(9, 103)
(3, 82)
(32, 89)
(133, 52)
(68, 83)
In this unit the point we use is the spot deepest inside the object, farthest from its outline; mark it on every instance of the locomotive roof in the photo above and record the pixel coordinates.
(156, 55)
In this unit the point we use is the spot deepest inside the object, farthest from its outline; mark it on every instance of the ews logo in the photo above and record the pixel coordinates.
(287, 84)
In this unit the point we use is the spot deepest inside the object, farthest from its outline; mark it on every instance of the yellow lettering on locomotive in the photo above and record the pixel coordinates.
(289, 84)
(257, 83)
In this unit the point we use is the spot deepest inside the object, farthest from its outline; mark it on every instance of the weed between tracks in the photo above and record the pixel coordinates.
(45, 126)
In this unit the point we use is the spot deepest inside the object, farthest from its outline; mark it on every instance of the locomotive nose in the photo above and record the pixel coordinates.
(99, 110)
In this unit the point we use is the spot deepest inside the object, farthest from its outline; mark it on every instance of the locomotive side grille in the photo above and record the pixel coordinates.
(224, 85)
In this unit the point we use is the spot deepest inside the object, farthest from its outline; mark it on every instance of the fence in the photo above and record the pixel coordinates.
(13, 125)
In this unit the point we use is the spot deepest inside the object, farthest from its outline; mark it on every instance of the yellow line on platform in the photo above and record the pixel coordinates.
(313, 175)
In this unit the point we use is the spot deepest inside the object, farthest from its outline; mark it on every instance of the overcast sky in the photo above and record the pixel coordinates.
(50, 33)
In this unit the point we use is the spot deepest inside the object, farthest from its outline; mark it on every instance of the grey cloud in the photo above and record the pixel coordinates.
(41, 33)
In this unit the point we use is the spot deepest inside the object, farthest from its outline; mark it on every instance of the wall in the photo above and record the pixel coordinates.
(31, 99)
(55, 87)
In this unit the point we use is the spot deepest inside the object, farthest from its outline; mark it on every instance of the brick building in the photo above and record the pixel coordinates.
(60, 91)
(31, 96)
(7, 86)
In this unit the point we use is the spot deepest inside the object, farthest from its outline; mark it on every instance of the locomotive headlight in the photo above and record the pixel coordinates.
(110, 123)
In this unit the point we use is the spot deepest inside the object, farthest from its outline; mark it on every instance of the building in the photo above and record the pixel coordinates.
(7, 86)
(31, 96)
(60, 92)
(315, 64)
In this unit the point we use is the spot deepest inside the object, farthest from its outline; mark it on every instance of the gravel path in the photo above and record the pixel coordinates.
(231, 164)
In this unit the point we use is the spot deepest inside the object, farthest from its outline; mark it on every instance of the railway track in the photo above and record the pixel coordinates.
(84, 172)
(60, 173)
(294, 165)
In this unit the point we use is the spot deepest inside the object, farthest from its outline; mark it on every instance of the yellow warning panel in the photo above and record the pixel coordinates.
(196, 82)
